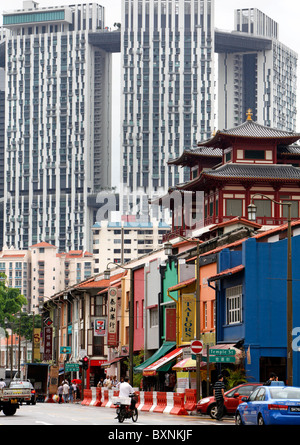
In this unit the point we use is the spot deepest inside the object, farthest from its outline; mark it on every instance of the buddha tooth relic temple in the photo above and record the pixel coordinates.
(233, 167)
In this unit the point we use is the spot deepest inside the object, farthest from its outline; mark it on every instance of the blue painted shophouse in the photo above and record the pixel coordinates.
(251, 305)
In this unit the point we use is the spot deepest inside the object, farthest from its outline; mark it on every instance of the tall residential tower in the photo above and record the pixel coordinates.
(167, 103)
(262, 76)
(57, 141)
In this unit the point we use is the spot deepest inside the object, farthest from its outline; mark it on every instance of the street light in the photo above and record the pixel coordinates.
(289, 294)
(131, 315)
(168, 251)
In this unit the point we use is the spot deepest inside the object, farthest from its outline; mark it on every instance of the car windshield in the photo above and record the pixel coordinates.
(18, 384)
(285, 393)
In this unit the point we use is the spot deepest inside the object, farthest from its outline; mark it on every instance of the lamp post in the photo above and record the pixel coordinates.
(131, 315)
(289, 293)
(168, 251)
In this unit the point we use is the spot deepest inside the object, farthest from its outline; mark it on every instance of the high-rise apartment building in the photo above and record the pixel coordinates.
(40, 272)
(259, 74)
(57, 141)
(167, 49)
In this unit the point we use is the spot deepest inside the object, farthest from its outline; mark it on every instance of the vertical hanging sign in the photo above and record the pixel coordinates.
(188, 317)
(112, 317)
(37, 344)
(48, 343)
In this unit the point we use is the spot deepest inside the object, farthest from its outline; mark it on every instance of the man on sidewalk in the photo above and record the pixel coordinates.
(219, 389)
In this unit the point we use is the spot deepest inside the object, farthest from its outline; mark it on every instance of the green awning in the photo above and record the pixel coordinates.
(163, 350)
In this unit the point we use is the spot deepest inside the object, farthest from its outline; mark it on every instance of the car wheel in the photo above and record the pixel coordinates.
(260, 420)
(212, 410)
(238, 419)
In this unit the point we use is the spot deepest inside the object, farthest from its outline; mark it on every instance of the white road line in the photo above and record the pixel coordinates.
(44, 423)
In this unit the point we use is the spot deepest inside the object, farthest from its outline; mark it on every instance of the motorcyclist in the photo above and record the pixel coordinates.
(126, 390)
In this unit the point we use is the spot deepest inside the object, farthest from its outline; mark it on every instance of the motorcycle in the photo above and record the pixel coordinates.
(124, 411)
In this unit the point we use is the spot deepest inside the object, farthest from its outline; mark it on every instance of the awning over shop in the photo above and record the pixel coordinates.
(164, 349)
(227, 273)
(156, 366)
(111, 362)
(182, 285)
(188, 364)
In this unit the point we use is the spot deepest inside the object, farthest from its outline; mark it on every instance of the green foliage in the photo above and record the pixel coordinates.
(11, 301)
(235, 377)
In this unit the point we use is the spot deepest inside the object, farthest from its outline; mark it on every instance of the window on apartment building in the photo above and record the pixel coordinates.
(234, 305)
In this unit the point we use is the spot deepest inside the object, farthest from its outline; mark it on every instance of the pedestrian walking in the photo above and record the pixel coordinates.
(219, 389)
(2, 384)
(66, 391)
(60, 393)
(71, 392)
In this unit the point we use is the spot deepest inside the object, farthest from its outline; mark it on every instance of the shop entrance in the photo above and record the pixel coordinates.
(272, 364)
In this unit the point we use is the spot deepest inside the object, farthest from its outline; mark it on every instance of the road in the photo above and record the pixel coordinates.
(76, 414)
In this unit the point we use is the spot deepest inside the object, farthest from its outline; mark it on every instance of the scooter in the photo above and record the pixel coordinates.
(125, 412)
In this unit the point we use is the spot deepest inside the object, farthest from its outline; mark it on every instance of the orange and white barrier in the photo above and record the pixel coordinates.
(149, 401)
(178, 408)
(87, 397)
(190, 399)
(170, 403)
(161, 402)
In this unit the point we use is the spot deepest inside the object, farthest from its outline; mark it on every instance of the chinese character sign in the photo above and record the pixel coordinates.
(48, 343)
(112, 317)
(36, 344)
(188, 317)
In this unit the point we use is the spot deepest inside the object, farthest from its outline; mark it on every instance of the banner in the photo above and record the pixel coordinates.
(36, 354)
(100, 327)
(112, 317)
(48, 332)
(170, 324)
(188, 317)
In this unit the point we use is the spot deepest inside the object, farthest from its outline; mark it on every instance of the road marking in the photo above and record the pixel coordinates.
(44, 423)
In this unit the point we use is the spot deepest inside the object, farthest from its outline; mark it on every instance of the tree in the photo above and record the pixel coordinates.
(11, 301)
(26, 324)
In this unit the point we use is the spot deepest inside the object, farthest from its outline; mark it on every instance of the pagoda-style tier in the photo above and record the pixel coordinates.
(256, 160)
(251, 143)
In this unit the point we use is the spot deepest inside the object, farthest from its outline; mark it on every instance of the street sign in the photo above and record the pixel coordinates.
(71, 367)
(222, 352)
(222, 359)
(196, 346)
(65, 349)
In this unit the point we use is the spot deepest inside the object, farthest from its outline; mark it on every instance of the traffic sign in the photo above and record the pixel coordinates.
(222, 359)
(197, 346)
(71, 367)
(222, 352)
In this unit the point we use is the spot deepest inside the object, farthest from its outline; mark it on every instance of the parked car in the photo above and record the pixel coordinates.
(270, 405)
(232, 399)
(21, 384)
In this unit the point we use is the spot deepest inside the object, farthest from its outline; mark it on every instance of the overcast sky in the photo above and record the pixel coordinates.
(286, 13)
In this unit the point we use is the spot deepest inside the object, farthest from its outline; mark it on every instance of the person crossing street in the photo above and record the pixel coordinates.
(219, 389)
